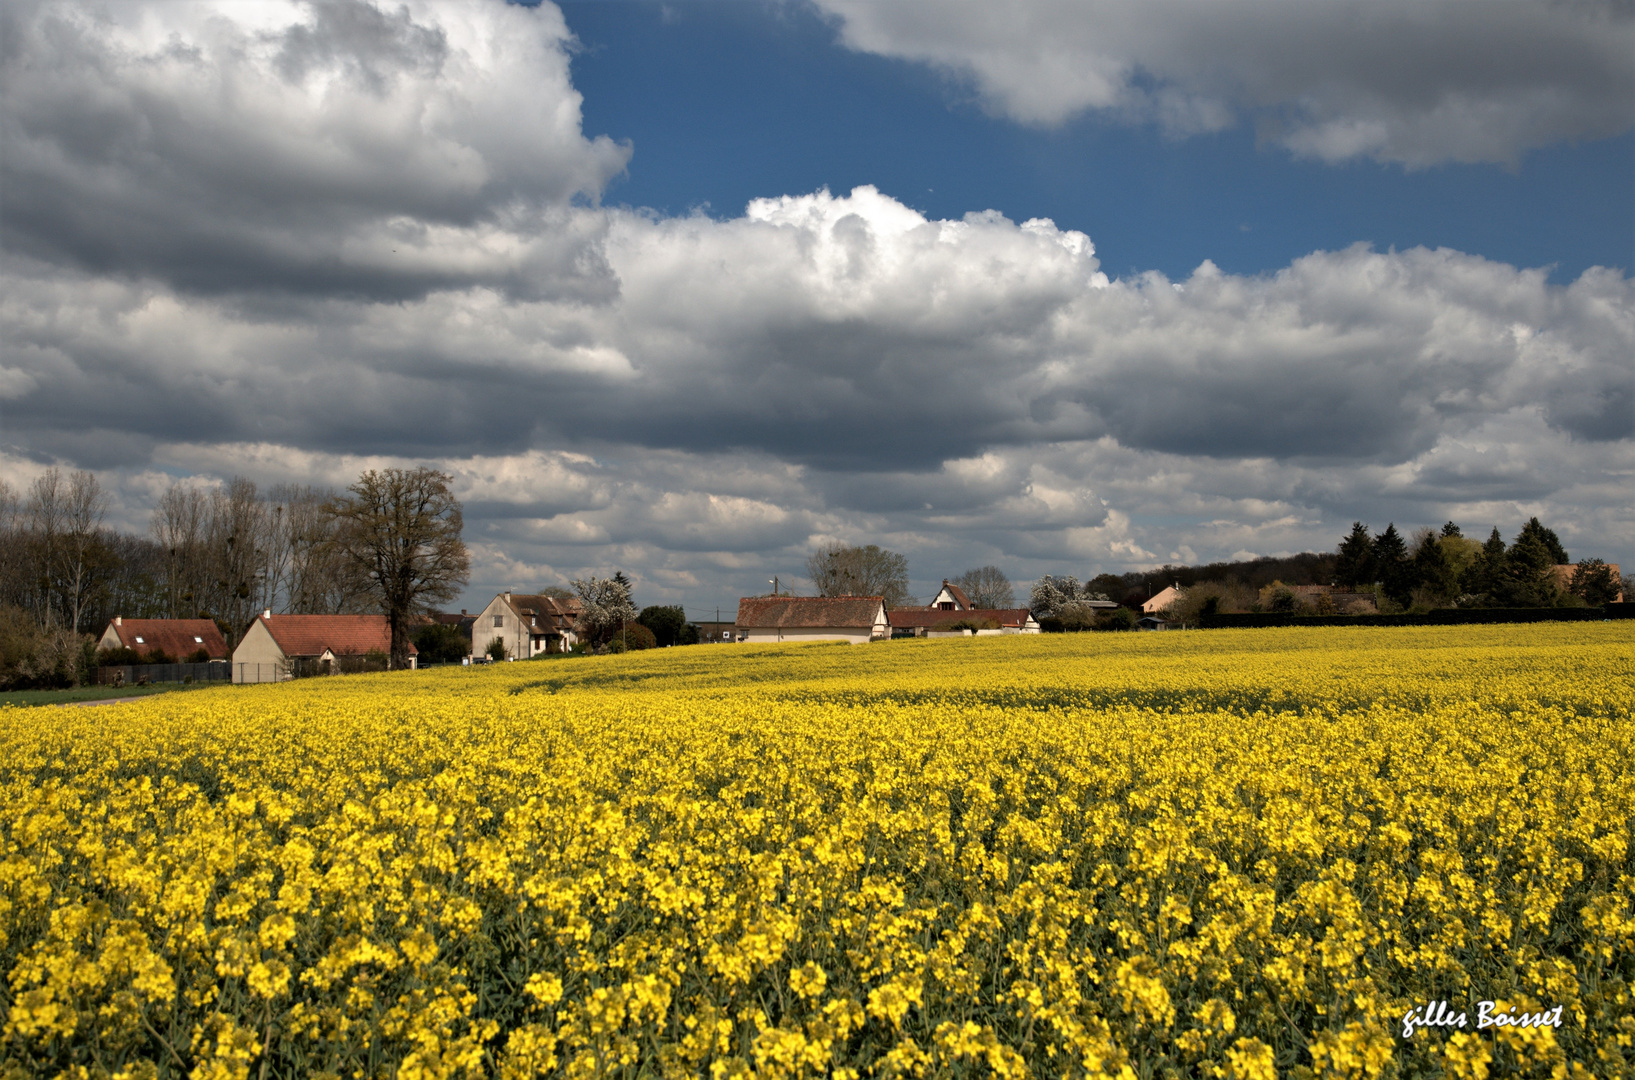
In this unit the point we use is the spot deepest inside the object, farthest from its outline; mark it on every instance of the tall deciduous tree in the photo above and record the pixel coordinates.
(861, 571)
(398, 533)
(987, 587)
(178, 525)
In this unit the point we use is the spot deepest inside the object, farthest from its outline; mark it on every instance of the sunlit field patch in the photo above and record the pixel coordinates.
(1225, 853)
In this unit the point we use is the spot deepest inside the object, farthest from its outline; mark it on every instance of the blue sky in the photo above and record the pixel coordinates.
(695, 291)
(726, 102)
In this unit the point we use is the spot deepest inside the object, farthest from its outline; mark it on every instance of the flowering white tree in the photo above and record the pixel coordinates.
(605, 606)
(1054, 594)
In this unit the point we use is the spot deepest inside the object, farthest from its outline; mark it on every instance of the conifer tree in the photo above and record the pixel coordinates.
(1356, 563)
(1392, 568)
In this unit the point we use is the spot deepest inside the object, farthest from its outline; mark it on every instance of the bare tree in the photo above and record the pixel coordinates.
(234, 541)
(13, 546)
(83, 506)
(399, 532)
(45, 524)
(313, 578)
(987, 587)
(179, 523)
(861, 571)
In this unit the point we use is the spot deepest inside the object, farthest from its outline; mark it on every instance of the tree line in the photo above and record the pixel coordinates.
(390, 543)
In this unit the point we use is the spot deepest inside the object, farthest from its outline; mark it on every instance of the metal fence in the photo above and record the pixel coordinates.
(143, 674)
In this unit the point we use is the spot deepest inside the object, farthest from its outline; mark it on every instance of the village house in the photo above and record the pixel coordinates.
(1562, 575)
(525, 624)
(278, 647)
(1171, 594)
(949, 598)
(918, 622)
(812, 618)
(179, 639)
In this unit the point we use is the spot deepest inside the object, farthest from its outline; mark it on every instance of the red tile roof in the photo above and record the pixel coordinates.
(177, 637)
(906, 617)
(791, 612)
(343, 635)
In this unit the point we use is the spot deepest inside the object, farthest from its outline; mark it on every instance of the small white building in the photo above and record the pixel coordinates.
(274, 645)
(526, 624)
(856, 619)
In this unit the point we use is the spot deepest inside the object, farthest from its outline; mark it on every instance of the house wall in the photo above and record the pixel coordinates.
(483, 630)
(763, 635)
(109, 639)
(258, 657)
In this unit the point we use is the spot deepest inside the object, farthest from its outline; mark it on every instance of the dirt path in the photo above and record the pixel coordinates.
(103, 701)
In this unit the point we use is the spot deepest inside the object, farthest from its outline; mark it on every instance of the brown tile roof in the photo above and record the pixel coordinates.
(790, 612)
(178, 637)
(905, 617)
(546, 612)
(343, 635)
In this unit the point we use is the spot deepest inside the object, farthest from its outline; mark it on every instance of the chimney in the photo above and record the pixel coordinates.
(507, 596)
(462, 611)
(267, 614)
(119, 620)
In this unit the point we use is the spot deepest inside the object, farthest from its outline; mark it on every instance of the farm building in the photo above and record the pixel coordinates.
(277, 647)
(812, 618)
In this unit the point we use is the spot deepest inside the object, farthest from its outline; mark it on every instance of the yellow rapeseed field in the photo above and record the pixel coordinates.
(1218, 854)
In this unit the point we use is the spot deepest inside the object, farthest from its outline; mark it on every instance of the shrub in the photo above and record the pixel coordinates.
(441, 643)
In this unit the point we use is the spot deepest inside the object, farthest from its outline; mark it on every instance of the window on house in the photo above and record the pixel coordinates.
(139, 641)
(947, 605)
(499, 620)
(198, 640)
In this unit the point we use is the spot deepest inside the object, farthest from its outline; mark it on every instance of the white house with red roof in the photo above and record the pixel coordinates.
(273, 644)
(176, 638)
(950, 598)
